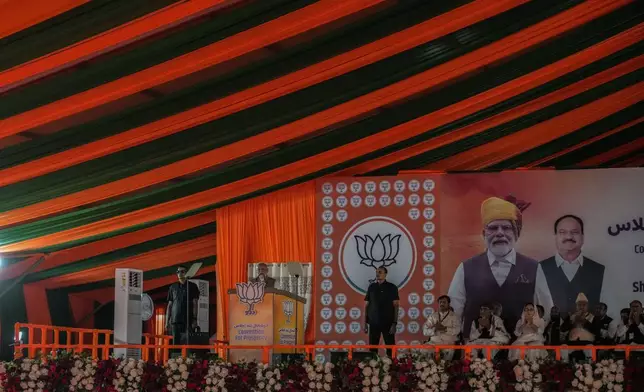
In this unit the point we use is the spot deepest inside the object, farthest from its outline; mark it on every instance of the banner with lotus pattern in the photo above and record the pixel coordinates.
(366, 223)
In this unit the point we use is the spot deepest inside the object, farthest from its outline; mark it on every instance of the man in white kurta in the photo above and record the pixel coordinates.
(443, 327)
(488, 330)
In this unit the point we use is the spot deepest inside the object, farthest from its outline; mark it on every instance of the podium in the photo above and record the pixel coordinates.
(260, 316)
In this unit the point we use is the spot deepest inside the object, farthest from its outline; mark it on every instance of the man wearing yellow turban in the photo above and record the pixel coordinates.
(500, 274)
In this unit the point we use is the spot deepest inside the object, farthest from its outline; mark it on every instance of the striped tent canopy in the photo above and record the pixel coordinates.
(124, 124)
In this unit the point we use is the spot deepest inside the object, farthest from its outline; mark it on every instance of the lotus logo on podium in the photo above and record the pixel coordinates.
(250, 293)
(287, 306)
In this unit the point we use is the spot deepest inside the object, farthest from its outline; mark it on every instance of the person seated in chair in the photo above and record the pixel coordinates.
(529, 332)
(584, 328)
(634, 331)
(622, 326)
(488, 329)
(443, 327)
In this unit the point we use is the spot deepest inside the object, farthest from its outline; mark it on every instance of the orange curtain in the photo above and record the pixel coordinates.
(278, 227)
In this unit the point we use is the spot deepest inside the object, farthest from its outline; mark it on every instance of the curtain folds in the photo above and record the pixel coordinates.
(277, 227)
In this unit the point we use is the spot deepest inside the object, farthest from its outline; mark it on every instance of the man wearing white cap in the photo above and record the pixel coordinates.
(584, 328)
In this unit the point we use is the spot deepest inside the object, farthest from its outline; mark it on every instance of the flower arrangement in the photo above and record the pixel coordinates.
(177, 374)
(83, 375)
(528, 376)
(607, 375)
(70, 372)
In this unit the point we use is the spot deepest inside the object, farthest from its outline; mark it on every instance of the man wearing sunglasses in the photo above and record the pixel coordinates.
(177, 321)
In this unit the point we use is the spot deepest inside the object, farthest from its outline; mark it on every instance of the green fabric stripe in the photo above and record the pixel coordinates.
(135, 58)
(600, 127)
(123, 253)
(272, 114)
(73, 26)
(624, 158)
(456, 92)
(285, 61)
(508, 128)
(129, 229)
(12, 310)
(147, 275)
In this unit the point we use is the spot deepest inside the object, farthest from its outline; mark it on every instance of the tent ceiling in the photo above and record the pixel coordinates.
(125, 124)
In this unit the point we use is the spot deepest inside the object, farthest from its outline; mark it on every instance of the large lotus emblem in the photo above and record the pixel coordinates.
(378, 252)
(250, 293)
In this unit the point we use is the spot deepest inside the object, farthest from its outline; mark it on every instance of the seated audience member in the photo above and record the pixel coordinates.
(584, 328)
(557, 330)
(443, 327)
(607, 326)
(622, 326)
(488, 329)
(634, 331)
(529, 332)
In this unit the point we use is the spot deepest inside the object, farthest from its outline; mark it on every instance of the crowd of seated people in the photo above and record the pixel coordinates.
(581, 328)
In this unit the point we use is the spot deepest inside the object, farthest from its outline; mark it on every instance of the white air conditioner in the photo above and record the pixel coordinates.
(128, 326)
(203, 306)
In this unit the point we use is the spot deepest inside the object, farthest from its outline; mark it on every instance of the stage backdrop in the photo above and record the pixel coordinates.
(366, 223)
(422, 226)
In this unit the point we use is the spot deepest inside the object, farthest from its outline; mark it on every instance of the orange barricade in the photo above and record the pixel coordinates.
(160, 345)
(46, 339)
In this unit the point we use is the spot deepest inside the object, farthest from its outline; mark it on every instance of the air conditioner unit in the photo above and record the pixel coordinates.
(203, 306)
(128, 326)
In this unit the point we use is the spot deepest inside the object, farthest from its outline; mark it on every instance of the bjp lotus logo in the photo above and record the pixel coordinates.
(287, 307)
(250, 293)
(378, 252)
(373, 242)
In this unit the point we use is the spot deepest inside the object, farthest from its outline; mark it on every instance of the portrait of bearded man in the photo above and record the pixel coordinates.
(500, 274)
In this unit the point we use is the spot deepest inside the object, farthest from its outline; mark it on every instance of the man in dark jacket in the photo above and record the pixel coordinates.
(381, 310)
(264, 277)
(179, 306)
(500, 274)
(569, 272)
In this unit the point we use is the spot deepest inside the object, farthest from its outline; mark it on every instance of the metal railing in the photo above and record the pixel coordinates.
(46, 339)
(159, 346)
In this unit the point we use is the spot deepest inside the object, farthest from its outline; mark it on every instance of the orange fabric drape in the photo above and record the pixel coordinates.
(256, 95)
(96, 248)
(287, 26)
(183, 252)
(16, 15)
(98, 44)
(467, 63)
(37, 304)
(278, 227)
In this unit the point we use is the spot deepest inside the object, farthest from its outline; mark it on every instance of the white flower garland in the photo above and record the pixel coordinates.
(432, 375)
(30, 372)
(319, 376)
(268, 379)
(176, 371)
(376, 375)
(128, 375)
(216, 377)
(83, 373)
(528, 376)
(483, 376)
(607, 375)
